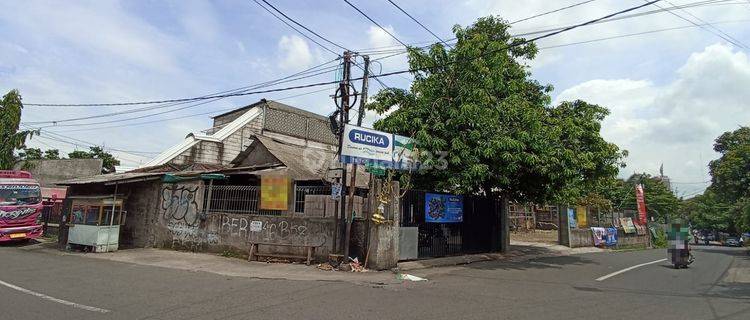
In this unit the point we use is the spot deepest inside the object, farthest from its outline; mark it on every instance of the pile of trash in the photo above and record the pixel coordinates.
(352, 266)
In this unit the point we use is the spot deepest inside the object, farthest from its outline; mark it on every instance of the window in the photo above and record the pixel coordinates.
(92, 216)
(78, 214)
(108, 215)
(14, 195)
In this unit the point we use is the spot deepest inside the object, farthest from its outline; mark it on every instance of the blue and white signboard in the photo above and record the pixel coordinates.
(378, 149)
(443, 208)
(366, 146)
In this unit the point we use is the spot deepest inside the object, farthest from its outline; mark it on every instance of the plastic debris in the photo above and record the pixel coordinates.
(405, 276)
(325, 266)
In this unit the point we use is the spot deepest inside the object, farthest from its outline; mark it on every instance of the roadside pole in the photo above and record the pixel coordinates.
(344, 89)
(353, 179)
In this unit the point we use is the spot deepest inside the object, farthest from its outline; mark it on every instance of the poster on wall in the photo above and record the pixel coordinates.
(581, 217)
(274, 192)
(572, 218)
(640, 199)
(627, 225)
(443, 208)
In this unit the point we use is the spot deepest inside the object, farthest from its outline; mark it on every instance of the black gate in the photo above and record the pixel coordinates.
(479, 231)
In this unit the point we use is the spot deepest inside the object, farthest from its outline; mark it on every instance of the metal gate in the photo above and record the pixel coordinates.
(479, 231)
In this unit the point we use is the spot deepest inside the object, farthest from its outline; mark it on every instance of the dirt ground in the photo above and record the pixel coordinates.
(543, 236)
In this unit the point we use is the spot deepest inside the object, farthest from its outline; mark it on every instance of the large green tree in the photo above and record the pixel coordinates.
(488, 127)
(11, 138)
(709, 212)
(730, 174)
(109, 161)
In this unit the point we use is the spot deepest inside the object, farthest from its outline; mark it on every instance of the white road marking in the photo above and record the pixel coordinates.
(53, 299)
(602, 278)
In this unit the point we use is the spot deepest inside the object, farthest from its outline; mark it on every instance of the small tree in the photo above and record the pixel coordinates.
(30, 154)
(108, 160)
(11, 138)
(52, 154)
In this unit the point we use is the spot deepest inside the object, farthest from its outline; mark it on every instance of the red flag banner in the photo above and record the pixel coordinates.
(640, 199)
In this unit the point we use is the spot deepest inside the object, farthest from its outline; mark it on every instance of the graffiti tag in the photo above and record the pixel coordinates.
(178, 203)
(15, 214)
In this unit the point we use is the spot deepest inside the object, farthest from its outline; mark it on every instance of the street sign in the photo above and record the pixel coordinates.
(336, 191)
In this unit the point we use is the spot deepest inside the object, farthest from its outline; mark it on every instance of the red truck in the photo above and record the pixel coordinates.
(20, 206)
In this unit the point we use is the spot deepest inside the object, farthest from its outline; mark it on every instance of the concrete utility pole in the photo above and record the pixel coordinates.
(353, 180)
(344, 91)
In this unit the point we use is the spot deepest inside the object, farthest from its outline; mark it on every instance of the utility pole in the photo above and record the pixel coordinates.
(344, 113)
(353, 180)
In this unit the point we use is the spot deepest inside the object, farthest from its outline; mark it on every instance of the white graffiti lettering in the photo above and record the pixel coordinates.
(15, 214)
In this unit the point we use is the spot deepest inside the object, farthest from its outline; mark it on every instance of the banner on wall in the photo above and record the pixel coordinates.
(581, 217)
(274, 192)
(627, 225)
(640, 199)
(443, 208)
(572, 218)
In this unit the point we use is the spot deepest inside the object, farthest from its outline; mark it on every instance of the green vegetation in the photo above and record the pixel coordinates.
(11, 138)
(109, 161)
(477, 105)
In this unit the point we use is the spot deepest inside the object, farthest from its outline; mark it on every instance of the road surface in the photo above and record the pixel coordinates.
(37, 284)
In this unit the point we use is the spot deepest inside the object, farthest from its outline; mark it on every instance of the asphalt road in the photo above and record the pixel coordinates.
(41, 285)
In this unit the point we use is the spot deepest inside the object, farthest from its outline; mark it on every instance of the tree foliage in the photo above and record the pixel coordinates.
(109, 161)
(11, 138)
(709, 212)
(477, 103)
(661, 202)
(730, 174)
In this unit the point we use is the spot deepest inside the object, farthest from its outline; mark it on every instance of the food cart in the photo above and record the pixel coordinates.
(92, 223)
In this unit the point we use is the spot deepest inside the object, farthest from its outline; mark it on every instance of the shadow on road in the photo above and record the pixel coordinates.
(538, 259)
(19, 243)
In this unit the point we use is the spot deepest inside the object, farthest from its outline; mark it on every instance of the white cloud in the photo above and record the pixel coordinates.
(674, 123)
(295, 54)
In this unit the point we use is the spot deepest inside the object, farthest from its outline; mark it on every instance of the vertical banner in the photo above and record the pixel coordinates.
(581, 217)
(641, 201)
(443, 208)
(274, 192)
(572, 218)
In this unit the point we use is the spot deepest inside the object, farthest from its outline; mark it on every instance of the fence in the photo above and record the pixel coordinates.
(246, 199)
(478, 232)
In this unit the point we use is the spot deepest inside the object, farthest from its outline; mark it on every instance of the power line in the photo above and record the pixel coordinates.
(180, 117)
(552, 11)
(420, 24)
(377, 24)
(702, 27)
(295, 29)
(514, 44)
(302, 26)
(712, 26)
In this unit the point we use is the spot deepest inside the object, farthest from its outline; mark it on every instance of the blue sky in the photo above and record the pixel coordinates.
(670, 92)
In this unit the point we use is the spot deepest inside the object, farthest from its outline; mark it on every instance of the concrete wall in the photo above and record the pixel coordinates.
(50, 172)
(183, 226)
(584, 238)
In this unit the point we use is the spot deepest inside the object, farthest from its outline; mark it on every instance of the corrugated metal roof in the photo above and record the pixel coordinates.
(305, 162)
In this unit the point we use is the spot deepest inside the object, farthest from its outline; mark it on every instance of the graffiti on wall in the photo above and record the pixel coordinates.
(274, 230)
(179, 204)
(191, 238)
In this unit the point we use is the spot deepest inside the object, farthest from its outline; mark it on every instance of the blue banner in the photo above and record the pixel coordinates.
(443, 208)
(572, 218)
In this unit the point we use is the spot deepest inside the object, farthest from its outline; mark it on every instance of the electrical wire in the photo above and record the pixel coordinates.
(302, 26)
(377, 24)
(295, 29)
(514, 44)
(729, 38)
(422, 25)
(183, 117)
(552, 11)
